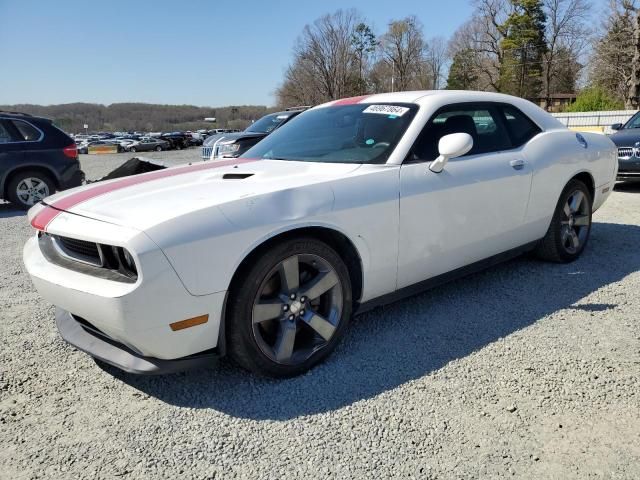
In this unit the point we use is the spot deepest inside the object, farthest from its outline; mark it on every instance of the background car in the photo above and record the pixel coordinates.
(84, 146)
(147, 144)
(231, 145)
(627, 139)
(36, 159)
(176, 140)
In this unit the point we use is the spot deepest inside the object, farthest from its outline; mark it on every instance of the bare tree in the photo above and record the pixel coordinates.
(325, 62)
(616, 53)
(633, 96)
(436, 58)
(480, 41)
(567, 36)
(403, 47)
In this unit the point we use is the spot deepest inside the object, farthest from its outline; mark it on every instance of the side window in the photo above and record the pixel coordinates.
(28, 132)
(482, 122)
(5, 136)
(521, 128)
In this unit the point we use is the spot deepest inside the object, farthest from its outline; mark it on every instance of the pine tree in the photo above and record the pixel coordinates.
(364, 43)
(523, 47)
(461, 72)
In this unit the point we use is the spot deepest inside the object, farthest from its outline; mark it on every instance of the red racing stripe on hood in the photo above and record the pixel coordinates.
(52, 210)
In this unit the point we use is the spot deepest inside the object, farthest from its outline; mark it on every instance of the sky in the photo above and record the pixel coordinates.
(208, 53)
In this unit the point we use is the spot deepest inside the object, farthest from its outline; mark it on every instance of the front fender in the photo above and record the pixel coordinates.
(205, 247)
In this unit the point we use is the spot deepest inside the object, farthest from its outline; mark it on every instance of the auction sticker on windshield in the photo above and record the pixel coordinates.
(386, 110)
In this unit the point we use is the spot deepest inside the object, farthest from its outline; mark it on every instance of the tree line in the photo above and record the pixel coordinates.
(534, 49)
(147, 117)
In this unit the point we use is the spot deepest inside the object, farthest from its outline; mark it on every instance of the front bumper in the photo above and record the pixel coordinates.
(628, 168)
(101, 347)
(137, 315)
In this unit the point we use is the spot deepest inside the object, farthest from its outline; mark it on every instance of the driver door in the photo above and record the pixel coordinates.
(474, 208)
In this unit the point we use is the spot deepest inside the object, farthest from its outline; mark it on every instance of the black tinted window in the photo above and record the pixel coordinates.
(28, 132)
(521, 128)
(481, 122)
(5, 136)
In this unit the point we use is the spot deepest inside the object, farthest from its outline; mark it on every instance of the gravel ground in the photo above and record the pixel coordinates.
(528, 370)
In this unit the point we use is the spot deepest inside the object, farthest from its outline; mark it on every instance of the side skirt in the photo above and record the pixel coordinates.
(438, 280)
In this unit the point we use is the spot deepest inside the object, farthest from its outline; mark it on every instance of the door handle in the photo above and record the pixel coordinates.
(517, 164)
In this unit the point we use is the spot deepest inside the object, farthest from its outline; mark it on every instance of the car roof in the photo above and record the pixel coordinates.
(438, 98)
(21, 115)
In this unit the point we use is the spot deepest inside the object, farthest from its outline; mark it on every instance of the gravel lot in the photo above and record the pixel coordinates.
(528, 370)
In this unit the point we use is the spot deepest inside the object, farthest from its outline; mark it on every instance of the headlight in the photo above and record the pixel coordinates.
(227, 149)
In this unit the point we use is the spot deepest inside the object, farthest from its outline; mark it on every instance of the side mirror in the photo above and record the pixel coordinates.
(616, 126)
(451, 146)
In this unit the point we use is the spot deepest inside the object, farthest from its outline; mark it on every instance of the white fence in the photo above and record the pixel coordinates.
(595, 119)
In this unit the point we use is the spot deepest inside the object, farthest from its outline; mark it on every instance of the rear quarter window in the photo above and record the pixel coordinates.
(28, 132)
(521, 128)
(5, 135)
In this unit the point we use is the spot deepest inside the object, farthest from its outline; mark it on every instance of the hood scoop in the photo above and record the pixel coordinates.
(236, 176)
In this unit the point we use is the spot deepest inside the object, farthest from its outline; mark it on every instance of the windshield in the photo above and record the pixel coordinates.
(360, 133)
(634, 122)
(267, 124)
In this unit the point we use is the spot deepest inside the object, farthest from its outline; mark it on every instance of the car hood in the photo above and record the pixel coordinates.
(145, 200)
(232, 137)
(626, 138)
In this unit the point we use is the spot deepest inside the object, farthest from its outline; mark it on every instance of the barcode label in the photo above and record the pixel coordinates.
(386, 110)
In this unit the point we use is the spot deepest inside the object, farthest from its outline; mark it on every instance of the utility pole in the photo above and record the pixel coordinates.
(393, 71)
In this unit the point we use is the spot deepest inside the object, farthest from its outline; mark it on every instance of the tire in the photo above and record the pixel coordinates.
(27, 188)
(570, 227)
(299, 332)
(158, 148)
(132, 149)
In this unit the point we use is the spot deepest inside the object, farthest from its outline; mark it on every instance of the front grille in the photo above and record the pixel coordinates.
(625, 152)
(206, 153)
(87, 249)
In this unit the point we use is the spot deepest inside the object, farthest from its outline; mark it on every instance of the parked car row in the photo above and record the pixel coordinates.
(139, 142)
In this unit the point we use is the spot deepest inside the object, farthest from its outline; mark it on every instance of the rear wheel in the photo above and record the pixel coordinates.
(27, 188)
(289, 309)
(158, 148)
(132, 149)
(570, 226)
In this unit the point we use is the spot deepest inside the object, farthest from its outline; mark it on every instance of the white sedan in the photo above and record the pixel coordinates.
(355, 203)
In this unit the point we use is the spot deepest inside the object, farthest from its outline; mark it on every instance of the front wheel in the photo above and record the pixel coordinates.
(158, 148)
(289, 308)
(132, 149)
(570, 226)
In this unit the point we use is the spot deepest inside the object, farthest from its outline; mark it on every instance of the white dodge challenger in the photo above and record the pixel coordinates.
(354, 203)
